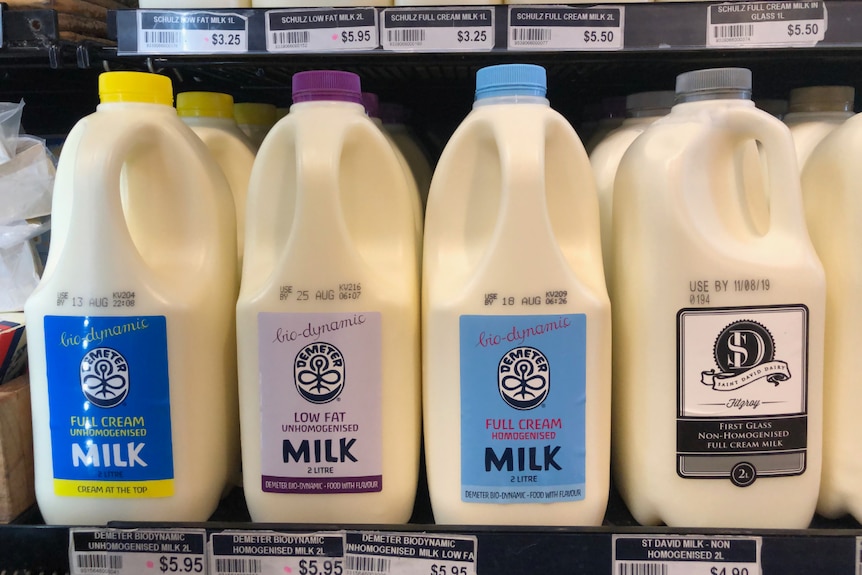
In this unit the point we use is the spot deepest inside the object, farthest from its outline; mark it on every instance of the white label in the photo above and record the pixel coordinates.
(756, 24)
(374, 552)
(565, 28)
(102, 551)
(437, 29)
(252, 552)
(161, 32)
(685, 555)
(321, 30)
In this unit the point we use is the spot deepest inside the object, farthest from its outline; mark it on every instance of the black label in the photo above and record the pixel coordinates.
(413, 18)
(269, 544)
(314, 19)
(190, 21)
(138, 541)
(685, 549)
(742, 436)
(569, 17)
(744, 12)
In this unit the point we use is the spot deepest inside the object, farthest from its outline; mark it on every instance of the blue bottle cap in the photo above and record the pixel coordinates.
(511, 80)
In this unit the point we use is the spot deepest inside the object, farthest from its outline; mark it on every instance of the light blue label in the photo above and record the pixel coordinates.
(523, 400)
(109, 402)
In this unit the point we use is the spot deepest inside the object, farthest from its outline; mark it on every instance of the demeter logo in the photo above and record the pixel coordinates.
(104, 377)
(318, 372)
(524, 377)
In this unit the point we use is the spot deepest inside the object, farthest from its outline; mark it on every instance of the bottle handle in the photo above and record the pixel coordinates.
(783, 186)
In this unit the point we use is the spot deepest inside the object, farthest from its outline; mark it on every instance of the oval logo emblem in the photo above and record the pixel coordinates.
(318, 371)
(524, 377)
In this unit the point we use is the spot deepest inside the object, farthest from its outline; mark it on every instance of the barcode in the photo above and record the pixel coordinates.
(162, 38)
(731, 31)
(236, 566)
(367, 564)
(406, 35)
(291, 37)
(642, 569)
(531, 34)
(99, 561)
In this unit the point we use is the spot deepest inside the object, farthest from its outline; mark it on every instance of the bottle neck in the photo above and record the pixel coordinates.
(715, 94)
(348, 106)
(514, 99)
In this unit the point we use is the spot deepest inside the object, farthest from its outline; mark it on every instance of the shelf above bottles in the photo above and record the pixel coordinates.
(629, 27)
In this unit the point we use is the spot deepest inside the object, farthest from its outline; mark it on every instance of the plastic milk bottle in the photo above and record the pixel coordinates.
(131, 330)
(718, 327)
(814, 112)
(328, 317)
(830, 187)
(255, 120)
(516, 317)
(642, 109)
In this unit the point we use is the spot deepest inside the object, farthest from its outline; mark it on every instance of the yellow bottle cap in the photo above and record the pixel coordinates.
(255, 114)
(140, 87)
(205, 104)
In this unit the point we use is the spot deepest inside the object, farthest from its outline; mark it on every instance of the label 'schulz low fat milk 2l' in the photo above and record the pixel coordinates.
(718, 326)
(516, 317)
(328, 317)
(130, 331)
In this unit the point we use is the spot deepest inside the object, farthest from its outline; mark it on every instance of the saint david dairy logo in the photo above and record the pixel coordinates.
(524, 377)
(318, 372)
(104, 377)
(744, 352)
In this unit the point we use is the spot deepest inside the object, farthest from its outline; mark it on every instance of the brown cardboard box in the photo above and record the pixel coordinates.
(17, 487)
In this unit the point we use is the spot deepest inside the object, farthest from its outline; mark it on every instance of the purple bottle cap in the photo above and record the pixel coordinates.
(317, 85)
(372, 104)
(392, 113)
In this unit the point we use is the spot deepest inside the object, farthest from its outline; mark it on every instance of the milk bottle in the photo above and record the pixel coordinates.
(516, 317)
(718, 328)
(814, 111)
(328, 317)
(830, 186)
(131, 327)
(393, 117)
(255, 120)
(642, 109)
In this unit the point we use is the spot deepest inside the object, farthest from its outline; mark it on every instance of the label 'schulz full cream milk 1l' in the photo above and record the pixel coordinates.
(718, 326)
(516, 317)
(328, 317)
(130, 331)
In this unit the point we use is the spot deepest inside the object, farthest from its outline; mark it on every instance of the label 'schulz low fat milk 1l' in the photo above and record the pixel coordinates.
(130, 332)
(516, 317)
(328, 317)
(718, 327)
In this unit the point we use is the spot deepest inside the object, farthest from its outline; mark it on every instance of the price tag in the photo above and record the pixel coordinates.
(271, 552)
(109, 551)
(757, 24)
(195, 32)
(321, 30)
(381, 553)
(685, 555)
(565, 28)
(437, 29)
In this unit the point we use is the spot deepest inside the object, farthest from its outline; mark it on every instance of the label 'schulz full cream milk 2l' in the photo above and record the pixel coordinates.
(718, 326)
(516, 317)
(328, 317)
(130, 331)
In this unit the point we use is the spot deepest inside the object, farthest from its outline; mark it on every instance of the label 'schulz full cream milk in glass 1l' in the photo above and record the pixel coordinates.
(328, 317)
(130, 332)
(516, 317)
(718, 327)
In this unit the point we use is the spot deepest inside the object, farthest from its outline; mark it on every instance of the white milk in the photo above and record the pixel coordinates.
(815, 111)
(718, 329)
(642, 109)
(830, 186)
(130, 331)
(393, 117)
(328, 318)
(255, 120)
(210, 116)
(194, 4)
(372, 108)
(515, 317)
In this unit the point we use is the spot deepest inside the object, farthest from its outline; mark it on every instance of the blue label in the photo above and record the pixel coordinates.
(109, 402)
(523, 401)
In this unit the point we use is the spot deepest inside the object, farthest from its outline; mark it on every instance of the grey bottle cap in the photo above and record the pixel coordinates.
(714, 83)
(643, 104)
(822, 99)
